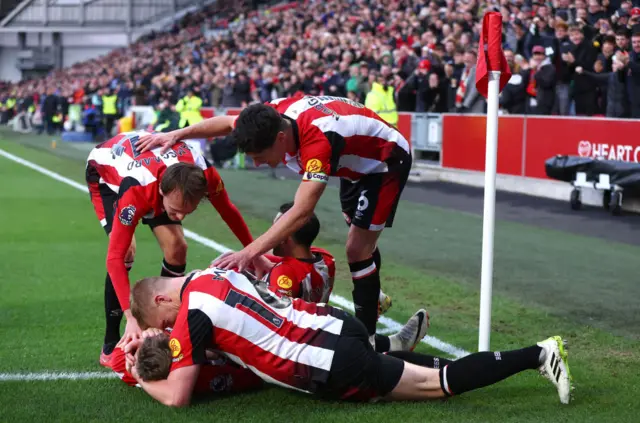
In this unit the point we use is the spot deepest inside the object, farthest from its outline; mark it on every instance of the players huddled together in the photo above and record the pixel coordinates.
(261, 315)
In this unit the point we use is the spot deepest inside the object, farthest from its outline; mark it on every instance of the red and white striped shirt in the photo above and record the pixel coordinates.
(217, 376)
(287, 342)
(117, 166)
(311, 280)
(339, 137)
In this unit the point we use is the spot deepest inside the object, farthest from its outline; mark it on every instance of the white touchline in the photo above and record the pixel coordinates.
(391, 325)
(28, 377)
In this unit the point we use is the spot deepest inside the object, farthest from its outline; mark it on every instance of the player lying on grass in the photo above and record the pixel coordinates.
(217, 375)
(127, 186)
(312, 348)
(320, 137)
(307, 272)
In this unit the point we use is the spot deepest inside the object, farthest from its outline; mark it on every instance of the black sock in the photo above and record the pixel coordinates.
(419, 359)
(366, 290)
(172, 270)
(377, 258)
(486, 368)
(113, 314)
(383, 344)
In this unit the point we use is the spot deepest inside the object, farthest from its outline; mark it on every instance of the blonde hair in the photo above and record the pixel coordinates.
(142, 301)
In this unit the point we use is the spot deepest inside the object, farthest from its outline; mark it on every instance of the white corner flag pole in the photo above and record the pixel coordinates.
(489, 215)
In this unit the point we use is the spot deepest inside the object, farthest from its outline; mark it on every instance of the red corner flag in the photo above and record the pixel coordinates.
(490, 54)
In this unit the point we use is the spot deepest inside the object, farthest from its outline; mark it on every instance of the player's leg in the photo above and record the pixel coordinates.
(408, 337)
(422, 360)
(384, 300)
(364, 274)
(103, 200)
(374, 210)
(171, 240)
(483, 369)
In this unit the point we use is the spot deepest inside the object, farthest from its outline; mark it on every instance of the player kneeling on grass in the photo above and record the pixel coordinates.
(217, 376)
(312, 348)
(307, 272)
(127, 186)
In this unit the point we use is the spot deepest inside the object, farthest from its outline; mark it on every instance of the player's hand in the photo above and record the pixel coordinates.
(132, 332)
(132, 347)
(151, 332)
(262, 266)
(239, 261)
(130, 365)
(129, 362)
(164, 140)
(217, 259)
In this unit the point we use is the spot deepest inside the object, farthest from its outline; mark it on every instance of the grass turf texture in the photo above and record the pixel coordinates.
(53, 276)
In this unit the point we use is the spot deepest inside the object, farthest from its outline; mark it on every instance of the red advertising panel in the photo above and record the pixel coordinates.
(207, 112)
(404, 125)
(463, 143)
(233, 111)
(610, 139)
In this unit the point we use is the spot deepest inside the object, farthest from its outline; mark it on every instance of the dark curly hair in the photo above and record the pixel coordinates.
(257, 128)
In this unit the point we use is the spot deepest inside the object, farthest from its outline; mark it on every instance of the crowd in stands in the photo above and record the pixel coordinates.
(579, 57)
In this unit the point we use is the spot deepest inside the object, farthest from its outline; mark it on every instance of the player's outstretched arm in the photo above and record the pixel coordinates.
(174, 391)
(216, 126)
(220, 200)
(306, 198)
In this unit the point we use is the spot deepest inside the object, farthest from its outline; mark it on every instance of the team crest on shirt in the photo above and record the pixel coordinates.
(127, 214)
(174, 346)
(284, 282)
(314, 166)
(220, 187)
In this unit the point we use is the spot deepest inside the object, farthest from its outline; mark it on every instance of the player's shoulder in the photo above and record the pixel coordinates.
(282, 104)
(290, 264)
(289, 268)
(322, 252)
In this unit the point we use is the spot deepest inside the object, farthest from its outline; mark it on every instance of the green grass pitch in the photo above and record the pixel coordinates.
(546, 283)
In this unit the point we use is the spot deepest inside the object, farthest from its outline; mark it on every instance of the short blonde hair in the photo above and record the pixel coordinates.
(142, 301)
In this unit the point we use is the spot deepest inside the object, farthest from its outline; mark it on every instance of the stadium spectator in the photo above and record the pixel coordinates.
(541, 82)
(233, 55)
(617, 98)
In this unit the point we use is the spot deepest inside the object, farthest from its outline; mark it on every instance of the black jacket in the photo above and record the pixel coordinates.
(617, 93)
(585, 55)
(634, 83)
(50, 105)
(514, 95)
(545, 89)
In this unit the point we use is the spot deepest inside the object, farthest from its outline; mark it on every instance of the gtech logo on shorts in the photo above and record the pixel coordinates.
(314, 166)
(284, 282)
(174, 345)
(127, 214)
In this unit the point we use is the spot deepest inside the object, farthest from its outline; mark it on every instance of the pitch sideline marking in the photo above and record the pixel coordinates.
(32, 377)
(391, 325)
